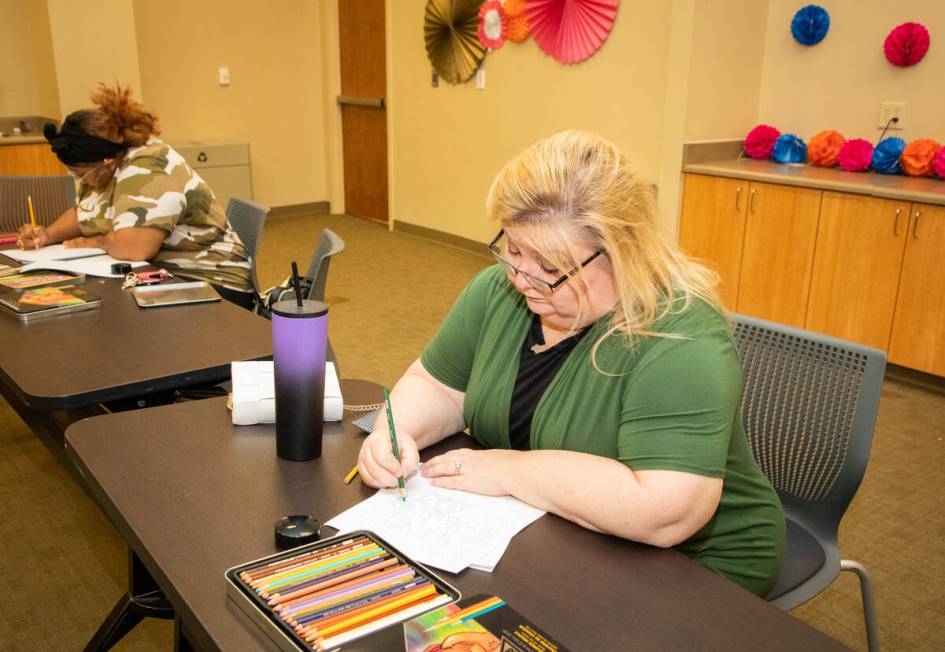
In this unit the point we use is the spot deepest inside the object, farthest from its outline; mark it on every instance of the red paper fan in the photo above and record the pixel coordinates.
(493, 24)
(570, 30)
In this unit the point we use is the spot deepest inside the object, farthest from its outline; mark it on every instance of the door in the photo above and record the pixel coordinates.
(712, 226)
(860, 241)
(918, 335)
(780, 232)
(363, 116)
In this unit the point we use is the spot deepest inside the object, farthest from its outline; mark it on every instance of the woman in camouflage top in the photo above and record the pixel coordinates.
(139, 200)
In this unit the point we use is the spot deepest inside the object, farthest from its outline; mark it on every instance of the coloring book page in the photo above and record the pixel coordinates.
(444, 528)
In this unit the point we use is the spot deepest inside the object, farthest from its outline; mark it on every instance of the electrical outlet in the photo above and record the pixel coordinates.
(481, 79)
(223, 76)
(890, 110)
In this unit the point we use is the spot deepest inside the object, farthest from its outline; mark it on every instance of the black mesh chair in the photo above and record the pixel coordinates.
(52, 196)
(248, 218)
(809, 409)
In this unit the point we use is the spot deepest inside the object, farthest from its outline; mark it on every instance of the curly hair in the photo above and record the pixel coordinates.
(117, 117)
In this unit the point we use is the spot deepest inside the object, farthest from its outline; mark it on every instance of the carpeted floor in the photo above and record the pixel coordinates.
(388, 293)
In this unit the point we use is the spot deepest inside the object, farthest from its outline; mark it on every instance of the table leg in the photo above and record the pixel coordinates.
(143, 600)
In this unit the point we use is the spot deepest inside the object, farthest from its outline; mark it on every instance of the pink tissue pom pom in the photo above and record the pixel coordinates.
(855, 155)
(906, 44)
(760, 141)
(938, 165)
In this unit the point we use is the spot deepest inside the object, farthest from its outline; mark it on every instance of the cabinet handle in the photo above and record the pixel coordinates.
(738, 194)
(915, 225)
(751, 201)
(896, 223)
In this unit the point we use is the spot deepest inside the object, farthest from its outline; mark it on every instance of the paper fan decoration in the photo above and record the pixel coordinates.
(810, 25)
(450, 30)
(788, 148)
(517, 21)
(570, 30)
(906, 44)
(760, 141)
(492, 24)
(918, 156)
(938, 165)
(824, 148)
(856, 155)
(886, 155)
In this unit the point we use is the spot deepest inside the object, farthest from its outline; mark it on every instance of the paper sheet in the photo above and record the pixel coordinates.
(52, 252)
(91, 266)
(447, 529)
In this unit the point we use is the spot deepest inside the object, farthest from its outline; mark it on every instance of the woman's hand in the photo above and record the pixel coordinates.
(31, 237)
(481, 472)
(376, 461)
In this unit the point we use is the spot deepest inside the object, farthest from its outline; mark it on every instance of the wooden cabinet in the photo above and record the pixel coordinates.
(780, 232)
(713, 226)
(918, 333)
(31, 159)
(857, 267)
(860, 243)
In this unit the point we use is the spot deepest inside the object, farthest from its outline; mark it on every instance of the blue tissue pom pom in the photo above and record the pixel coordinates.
(788, 148)
(886, 155)
(810, 25)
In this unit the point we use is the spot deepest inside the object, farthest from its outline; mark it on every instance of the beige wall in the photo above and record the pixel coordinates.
(275, 101)
(92, 41)
(447, 143)
(840, 83)
(27, 72)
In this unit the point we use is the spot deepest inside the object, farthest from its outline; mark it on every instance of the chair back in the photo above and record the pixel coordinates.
(809, 408)
(52, 196)
(329, 245)
(248, 218)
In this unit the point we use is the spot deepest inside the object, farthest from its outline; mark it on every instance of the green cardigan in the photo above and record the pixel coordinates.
(671, 404)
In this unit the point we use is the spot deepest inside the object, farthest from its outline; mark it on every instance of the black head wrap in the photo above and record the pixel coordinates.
(74, 146)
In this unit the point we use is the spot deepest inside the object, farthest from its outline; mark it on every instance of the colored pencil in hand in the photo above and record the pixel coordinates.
(393, 443)
(29, 203)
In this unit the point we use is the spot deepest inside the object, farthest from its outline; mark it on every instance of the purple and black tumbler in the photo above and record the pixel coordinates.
(299, 342)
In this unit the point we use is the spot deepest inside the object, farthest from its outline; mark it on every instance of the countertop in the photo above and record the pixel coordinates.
(915, 189)
(28, 139)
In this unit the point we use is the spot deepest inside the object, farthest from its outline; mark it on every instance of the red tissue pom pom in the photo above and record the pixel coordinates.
(906, 44)
(760, 141)
(938, 165)
(855, 155)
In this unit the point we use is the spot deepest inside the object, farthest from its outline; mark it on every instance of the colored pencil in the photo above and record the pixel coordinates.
(334, 610)
(353, 472)
(472, 611)
(336, 578)
(272, 567)
(315, 569)
(355, 589)
(386, 621)
(393, 443)
(336, 624)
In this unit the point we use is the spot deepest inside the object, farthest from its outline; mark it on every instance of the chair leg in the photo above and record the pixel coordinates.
(869, 609)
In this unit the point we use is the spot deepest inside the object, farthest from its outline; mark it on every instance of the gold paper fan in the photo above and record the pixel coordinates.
(450, 31)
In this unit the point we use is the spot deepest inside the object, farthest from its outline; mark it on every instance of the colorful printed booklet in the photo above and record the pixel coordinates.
(18, 282)
(478, 624)
(47, 301)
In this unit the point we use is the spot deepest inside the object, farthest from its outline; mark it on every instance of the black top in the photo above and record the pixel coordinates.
(535, 373)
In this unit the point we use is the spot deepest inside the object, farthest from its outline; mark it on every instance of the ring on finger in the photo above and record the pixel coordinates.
(457, 467)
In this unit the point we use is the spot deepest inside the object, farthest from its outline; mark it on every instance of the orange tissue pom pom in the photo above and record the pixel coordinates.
(918, 156)
(824, 148)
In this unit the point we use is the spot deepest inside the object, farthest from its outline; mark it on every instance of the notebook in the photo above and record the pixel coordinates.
(174, 294)
(19, 282)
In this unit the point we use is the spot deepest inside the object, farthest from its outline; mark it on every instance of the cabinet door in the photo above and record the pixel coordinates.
(712, 225)
(918, 333)
(780, 231)
(860, 241)
(32, 159)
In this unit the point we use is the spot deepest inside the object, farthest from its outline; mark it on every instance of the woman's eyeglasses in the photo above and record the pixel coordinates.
(543, 286)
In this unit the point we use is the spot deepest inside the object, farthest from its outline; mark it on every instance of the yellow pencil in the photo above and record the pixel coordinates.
(29, 202)
(353, 472)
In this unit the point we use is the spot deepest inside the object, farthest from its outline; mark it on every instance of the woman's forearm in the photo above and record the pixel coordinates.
(661, 508)
(425, 409)
(65, 227)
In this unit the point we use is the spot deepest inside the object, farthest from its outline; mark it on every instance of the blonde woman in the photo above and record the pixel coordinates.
(595, 364)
